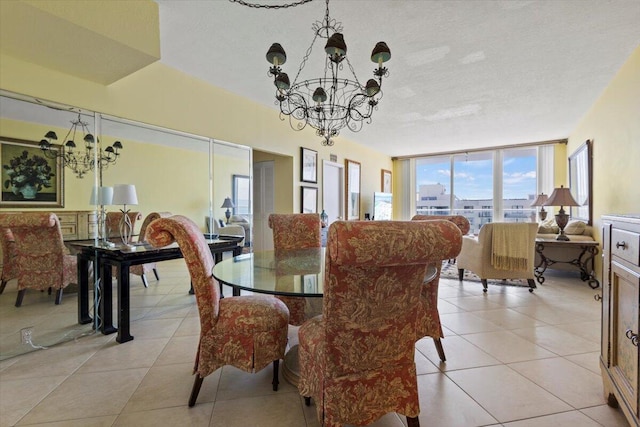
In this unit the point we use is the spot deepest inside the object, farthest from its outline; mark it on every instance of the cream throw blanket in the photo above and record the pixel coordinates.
(510, 246)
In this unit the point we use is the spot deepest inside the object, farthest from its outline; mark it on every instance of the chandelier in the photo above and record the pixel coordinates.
(328, 103)
(80, 162)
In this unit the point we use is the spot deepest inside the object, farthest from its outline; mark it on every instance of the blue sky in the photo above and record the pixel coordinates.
(473, 179)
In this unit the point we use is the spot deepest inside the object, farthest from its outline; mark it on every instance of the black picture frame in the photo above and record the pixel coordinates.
(308, 199)
(308, 165)
(45, 197)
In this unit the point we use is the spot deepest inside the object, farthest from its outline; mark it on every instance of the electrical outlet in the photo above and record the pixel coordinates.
(26, 334)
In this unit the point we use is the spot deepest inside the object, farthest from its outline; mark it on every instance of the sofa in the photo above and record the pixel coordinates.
(577, 231)
(221, 228)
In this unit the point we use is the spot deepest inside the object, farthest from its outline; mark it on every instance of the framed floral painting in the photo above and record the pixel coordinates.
(29, 178)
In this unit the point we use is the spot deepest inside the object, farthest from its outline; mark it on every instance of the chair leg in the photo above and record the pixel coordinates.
(58, 296)
(155, 273)
(460, 274)
(484, 285)
(20, 297)
(439, 348)
(144, 280)
(413, 422)
(307, 400)
(2, 285)
(195, 390)
(531, 282)
(49, 291)
(275, 382)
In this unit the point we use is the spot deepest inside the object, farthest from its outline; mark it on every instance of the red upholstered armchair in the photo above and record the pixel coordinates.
(142, 269)
(357, 359)
(429, 320)
(248, 332)
(42, 260)
(296, 231)
(9, 266)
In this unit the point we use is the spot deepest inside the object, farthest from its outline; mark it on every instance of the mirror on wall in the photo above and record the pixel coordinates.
(581, 182)
(172, 171)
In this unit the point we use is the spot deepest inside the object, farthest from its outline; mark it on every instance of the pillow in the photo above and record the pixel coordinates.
(575, 227)
(548, 227)
(221, 223)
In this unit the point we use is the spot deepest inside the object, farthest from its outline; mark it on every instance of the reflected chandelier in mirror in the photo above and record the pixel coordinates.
(79, 162)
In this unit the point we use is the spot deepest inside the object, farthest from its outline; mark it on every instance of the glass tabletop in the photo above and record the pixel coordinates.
(294, 273)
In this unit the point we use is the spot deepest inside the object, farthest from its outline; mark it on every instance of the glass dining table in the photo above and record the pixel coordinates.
(298, 272)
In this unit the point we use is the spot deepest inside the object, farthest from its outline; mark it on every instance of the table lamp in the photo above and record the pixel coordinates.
(540, 201)
(101, 196)
(125, 194)
(561, 197)
(227, 204)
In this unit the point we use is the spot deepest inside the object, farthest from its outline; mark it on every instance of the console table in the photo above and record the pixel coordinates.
(118, 256)
(584, 262)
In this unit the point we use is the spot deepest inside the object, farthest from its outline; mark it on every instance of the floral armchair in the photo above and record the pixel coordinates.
(142, 269)
(42, 259)
(296, 231)
(247, 332)
(500, 251)
(357, 359)
(9, 266)
(429, 319)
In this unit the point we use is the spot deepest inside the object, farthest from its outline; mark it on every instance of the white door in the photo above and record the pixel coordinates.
(263, 202)
(333, 190)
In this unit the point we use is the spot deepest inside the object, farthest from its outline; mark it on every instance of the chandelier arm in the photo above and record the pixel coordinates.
(270, 6)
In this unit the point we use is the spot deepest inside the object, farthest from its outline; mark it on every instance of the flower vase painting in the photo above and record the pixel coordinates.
(29, 179)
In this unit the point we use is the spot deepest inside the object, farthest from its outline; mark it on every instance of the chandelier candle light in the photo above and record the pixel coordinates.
(80, 162)
(125, 194)
(328, 103)
(561, 197)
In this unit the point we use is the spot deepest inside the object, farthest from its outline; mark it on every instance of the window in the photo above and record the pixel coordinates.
(487, 186)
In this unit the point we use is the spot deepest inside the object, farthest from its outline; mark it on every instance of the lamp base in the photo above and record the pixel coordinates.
(562, 219)
(543, 215)
(228, 215)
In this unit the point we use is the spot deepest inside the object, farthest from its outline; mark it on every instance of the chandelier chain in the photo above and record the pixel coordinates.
(270, 6)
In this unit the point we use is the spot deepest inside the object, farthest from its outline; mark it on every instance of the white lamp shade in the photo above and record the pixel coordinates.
(124, 194)
(101, 195)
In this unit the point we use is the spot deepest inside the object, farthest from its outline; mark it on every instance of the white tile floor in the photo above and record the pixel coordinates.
(513, 359)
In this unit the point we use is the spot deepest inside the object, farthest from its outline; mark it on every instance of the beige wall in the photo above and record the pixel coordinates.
(162, 96)
(613, 124)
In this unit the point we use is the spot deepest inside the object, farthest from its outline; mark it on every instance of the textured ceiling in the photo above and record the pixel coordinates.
(463, 74)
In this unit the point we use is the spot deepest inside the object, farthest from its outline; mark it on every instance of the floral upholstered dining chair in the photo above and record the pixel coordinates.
(9, 265)
(43, 262)
(142, 269)
(429, 318)
(290, 232)
(357, 359)
(248, 332)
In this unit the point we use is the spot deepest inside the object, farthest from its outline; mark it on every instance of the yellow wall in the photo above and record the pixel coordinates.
(613, 123)
(283, 172)
(165, 97)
